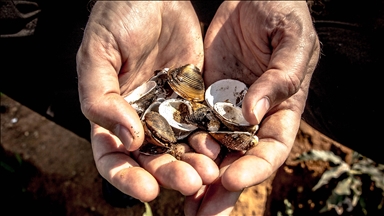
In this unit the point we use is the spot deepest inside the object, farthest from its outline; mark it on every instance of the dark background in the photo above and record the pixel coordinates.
(344, 102)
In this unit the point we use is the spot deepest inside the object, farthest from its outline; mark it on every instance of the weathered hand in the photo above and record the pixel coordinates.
(272, 47)
(123, 43)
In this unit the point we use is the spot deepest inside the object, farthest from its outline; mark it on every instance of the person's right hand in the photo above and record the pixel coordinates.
(273, 47)
(124, 43)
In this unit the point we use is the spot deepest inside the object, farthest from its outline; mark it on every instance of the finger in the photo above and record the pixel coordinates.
(98, 63)
(204, 166)
(276, 137)
(116, 166)
(192, 203)
(204, 144)
(277, 84)
(217, 199)
(294, 55)
(171, 173)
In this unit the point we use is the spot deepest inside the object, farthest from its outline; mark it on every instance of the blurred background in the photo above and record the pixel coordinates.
(38, 45)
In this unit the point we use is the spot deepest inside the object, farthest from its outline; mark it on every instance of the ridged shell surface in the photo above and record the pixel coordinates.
(187, 82)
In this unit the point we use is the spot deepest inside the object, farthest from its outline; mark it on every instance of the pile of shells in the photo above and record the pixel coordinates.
(174, 103)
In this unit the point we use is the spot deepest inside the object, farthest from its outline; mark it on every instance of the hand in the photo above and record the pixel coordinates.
(272, 47)
(124, 43)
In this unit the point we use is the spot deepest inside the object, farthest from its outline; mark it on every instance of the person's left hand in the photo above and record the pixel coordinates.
(272, 47)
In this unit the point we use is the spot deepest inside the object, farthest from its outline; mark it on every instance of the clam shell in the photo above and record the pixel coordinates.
(236, 140)
(157, 129)
(151, 149)
(154, 106)
(141, 97)
(204, 118)
(161, 79)
(187, 82)
(232, 117)
(175, 111)
(226, 90)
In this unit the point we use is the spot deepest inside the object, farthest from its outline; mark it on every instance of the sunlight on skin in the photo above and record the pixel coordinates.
(250, 41)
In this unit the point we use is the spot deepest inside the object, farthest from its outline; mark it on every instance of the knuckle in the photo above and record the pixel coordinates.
(293, 83)
(88, 108)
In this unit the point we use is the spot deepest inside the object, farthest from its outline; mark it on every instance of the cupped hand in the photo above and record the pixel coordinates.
(123, 44)
(272, 47)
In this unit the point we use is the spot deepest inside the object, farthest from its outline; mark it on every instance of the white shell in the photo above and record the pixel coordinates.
(168, 109)
(230, 113)
(153, 107)
(226, 90)
(232, 117)
(141, 91)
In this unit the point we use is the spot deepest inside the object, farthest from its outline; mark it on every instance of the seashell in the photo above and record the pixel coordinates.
(141, 97)
(154, 107)
(226, 90)
(151, 149)
(174, 103)
(204, 118)
(179, 149)
(232, 117)
(187, 82)
(161, 79)
(236, 140)
(157, 130)
(176, 150)
(175, 111)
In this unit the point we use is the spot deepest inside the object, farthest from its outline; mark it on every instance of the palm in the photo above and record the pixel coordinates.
(149, 40)
(235, 47)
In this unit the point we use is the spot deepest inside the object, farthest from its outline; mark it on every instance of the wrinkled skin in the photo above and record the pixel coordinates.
(121, 47)
(271, 46)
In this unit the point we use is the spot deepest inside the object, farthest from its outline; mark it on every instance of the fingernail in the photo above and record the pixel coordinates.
(261, 108)
(124, 136)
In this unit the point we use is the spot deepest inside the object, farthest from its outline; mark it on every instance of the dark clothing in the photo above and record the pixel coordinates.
(39, 70)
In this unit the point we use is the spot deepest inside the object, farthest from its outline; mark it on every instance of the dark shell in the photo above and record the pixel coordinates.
(187, 82)
(204, 118)
(158, 129)
(236, 140)
(151, 149)
(178, 150)
(141, 97)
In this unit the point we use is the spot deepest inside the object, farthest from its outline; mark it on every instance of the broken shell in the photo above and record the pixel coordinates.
(226, 90)
(187, 82)
(168, 119)
(141, 97)
(236, 140)
(153, 107)
(232, 117)
(175, 111)
(179, 149)
(161, 79)
(204, 118)
(157, 130)
(151, 149)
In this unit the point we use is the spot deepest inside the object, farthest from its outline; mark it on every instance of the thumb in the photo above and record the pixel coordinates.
(269, 90)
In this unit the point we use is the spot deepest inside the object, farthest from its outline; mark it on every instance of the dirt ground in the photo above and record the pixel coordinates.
(49, 170)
